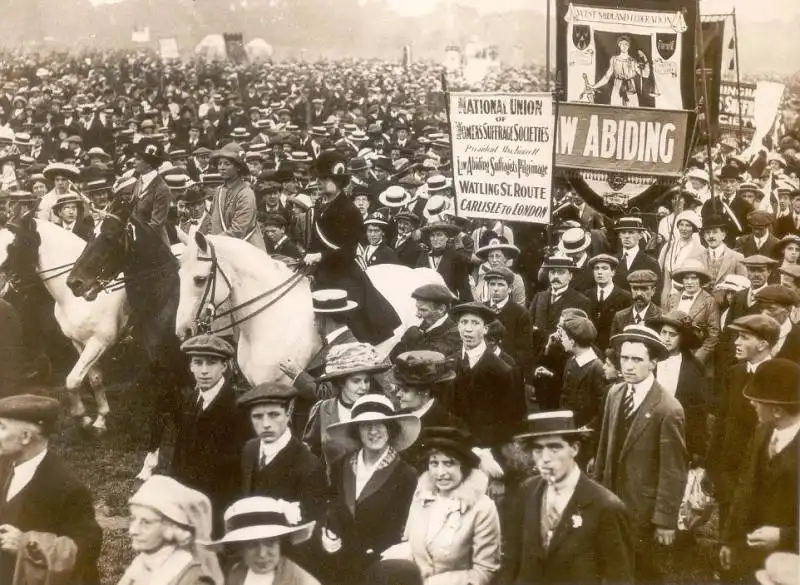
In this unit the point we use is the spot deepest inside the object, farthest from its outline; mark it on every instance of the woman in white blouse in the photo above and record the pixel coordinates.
(683, 376)
(677, 251)
(453, 530)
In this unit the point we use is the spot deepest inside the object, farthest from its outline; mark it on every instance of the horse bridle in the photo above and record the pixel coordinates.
(207, 309)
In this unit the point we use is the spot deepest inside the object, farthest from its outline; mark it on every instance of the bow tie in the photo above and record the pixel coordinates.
(687, 297)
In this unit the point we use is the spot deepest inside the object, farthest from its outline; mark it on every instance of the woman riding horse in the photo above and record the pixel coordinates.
(336, 230)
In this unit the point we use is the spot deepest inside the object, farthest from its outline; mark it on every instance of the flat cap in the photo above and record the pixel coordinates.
(268, 393)
(208, 345)
(759, 219)
(758, 260)
(501, 272)
(642, 277)
(275, 219)
(31, 408)
(612, 261)
(437, 293)
(761, 326)
(778, 294)
(473, 308)
(580, 329)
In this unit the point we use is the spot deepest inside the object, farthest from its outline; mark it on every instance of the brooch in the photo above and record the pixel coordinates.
(577, 521)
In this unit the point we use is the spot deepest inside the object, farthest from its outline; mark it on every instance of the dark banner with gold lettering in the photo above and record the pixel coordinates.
(709, 57)
(605, 138)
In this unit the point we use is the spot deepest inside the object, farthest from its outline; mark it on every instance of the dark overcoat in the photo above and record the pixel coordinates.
(455, 268)
(602, 313)
(445, 339)
(518, 340)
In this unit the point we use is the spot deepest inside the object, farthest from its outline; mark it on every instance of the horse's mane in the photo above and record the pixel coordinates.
(250, 259)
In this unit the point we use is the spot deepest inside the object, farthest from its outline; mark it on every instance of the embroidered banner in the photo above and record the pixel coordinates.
(502, 155)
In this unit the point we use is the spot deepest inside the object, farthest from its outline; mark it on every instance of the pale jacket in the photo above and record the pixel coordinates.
(465, 549)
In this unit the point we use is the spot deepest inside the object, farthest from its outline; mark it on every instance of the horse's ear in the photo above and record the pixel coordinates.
(202, 243)
(23, 222)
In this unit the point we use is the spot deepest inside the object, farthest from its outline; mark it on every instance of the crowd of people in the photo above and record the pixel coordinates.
(575, 402)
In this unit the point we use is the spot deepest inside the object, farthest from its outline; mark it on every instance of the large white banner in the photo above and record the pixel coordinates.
(503, 155)
(623, 57)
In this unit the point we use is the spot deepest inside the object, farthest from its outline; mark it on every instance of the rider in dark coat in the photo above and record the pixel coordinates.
(336, 230)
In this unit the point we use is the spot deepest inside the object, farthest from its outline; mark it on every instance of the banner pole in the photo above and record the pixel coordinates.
(446, 94)
(547, 44)
(715, 200)
(738, 77)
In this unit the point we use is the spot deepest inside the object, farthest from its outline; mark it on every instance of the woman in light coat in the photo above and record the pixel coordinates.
(453, 529)
(677, 251)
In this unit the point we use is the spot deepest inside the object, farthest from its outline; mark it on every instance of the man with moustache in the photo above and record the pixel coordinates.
(642, 284)
(735, 420)
(546, 309)
(436, 331)
(719, 259)
(408, 250)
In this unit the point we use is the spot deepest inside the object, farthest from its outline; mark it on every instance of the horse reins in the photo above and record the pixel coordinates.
(207, 310)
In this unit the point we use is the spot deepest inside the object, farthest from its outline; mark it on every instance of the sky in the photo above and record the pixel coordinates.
(754, 10)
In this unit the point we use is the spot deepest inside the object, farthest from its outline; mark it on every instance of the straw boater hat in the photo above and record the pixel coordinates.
(692, 266)
(332, 300)
(683, 323)
(261, 518)
(352, 358)
(438, 183)
(375, 408)
(559, 261)
(395, 196)
(642, 334)
(66, 199)
(549, 424)
(629, 223)
(574, 241)
(436, 207)
(734, 283)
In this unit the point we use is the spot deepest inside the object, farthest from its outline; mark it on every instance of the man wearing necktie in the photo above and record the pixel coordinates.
(641, 453)
(764, 516)
(564, 527)
(39, 493)
(735, 420)
(642, 284)
(211, 429)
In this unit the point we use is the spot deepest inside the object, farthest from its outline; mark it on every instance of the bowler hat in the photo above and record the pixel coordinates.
(422, 367)
(31, 408)
(210, 345)
(268, 393)
(642, 334)
(776, 381)
(553, 423)
(729, 172)
(761, 326)
(715, 221)
(473, 308)
(451, 441)
(435, 293)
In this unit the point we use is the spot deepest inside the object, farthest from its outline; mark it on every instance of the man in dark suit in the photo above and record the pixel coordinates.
(564, 527)
(546, 309)
(39, 493)
(376, 251)
(211, 430)
(12, 350)
(777, 301)
(641, 452)
(453, 265)
(735, 420)
(790, 223)
(629, 231)
(275, 463)
(484, 394)
(759, 241)
(605, 298)
(764, 516)
(518, 338)
(408, 250)
(151, 192)
(729, 204)
(436, 331)
(642, 284)
(275, 238)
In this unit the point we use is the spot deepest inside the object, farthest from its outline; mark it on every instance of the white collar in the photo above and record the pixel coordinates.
(568, 482)
(438, 323)
(499, 305)
(211, 394)
(585, 357)
(784, 436)
(422, 410)
(270, 450)
(29, 467)
(252, 578)
(760, 241)
(786, 328)
(282, 240)
(607, 289)
(330, 337)
(641, 313)
(631, 252)
(753, 366)
(147, 178)
(474, 354)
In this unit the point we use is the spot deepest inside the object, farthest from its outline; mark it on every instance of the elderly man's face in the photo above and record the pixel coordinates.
(15, 436)
(559, 277)
(758, 276)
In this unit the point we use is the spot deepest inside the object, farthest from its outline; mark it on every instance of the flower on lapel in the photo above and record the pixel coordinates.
(577, 520)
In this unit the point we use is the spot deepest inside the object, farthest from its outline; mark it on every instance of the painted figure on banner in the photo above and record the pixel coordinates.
(629, 73)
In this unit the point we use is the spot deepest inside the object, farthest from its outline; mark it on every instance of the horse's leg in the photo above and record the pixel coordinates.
(96, 382)
(89, 355)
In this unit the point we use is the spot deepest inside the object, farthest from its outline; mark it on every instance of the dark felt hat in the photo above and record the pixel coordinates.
(31, 408)
(682, 323)
(268, 393)
(210, 345)
(761, 326)
(553, 423)
(473, 308)
(776, 381)
(451, 441)
(422, 367)
(436, 293)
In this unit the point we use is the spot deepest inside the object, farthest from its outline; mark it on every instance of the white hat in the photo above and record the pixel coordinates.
(302, 200)
(261, 518)
(734, 282)
(691, 217)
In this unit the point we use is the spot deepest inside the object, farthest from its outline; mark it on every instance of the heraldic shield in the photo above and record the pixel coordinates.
(666, 43)
(581, 36)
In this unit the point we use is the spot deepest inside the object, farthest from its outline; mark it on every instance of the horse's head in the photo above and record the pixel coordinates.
(19, 248)
(104, 257)
(204, 286)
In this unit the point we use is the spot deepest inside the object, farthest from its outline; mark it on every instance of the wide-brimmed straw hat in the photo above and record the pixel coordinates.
(233, 156)
(262, 518)
(375, 408)
(552, 423)
(691, 266)
(448, 228)
(642, 334)
(54, 170)
(507, 249)
(352, 358)
(690, 338)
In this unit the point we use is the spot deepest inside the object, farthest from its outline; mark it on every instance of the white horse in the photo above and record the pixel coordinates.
(92, 327)
(216, 269)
